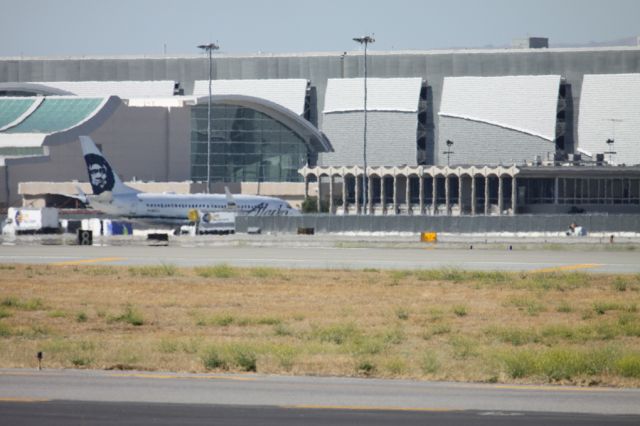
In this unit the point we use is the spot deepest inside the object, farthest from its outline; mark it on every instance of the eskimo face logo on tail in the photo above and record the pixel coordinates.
(100, 173)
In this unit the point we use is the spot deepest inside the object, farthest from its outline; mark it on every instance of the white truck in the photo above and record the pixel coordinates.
(31, 221)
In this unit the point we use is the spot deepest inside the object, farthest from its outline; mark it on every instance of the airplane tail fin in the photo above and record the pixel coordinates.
(101, 175)
(231, 202)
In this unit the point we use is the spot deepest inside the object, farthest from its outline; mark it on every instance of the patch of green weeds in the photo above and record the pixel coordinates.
(162, 270)
(564, 307)
(337, 333)
(531, 306)
(402, 313)
(561, 363)
(81, 317)
(628, 365)
(130, 315)
(463, 347)
(263, 272)
(233, 355)
(460, 310)
(429, 363)
(366, 368)
(436, 330)
(282, 330)
(5, 330)
(512, 335)
(25, 305)
(396, 366)
(218, 271)
(168, 346)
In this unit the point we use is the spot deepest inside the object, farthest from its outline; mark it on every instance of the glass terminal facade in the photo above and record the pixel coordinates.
(246, 145)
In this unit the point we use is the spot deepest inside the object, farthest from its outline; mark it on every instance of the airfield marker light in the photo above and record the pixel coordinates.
(39, 355)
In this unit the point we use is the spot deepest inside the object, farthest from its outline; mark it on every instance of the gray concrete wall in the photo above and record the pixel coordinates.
(391, 138)
(432, 66)
(478, 224)
(481, 143)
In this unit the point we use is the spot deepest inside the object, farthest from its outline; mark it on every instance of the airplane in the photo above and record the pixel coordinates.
(113, 197)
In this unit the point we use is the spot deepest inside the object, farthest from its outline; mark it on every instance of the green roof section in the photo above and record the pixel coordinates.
(12, 109)
(55, 115)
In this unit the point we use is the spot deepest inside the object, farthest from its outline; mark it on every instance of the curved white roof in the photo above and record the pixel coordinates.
(524, 103)
(383, 94)
(610, 109)
(289, 93)
(122, 89)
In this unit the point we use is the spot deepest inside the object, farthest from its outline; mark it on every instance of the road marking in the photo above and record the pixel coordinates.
(553, 388)
(84, 261)
(569, 267)
(172, 376)
(539, 388)
(26, 400)
(365, 408)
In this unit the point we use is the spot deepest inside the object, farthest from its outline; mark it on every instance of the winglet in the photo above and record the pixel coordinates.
(231, 202)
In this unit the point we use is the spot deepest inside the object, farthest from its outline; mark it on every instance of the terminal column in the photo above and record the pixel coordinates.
(306, 186)
(383, 200)
(395, 194)
(434, 195)
(407, 195)
(331, 193)
(486, 195)
(319, 194)
(344, 194)
(473, 195)
(500, 203)
(460, 197)
(514, 195)
(421, 194)
(447, 195)
(369, 195)
(358, 195)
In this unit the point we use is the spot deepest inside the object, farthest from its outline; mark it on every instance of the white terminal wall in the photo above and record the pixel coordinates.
(610, 109)
(289, 93)
(122, 89)
(494, 120)
(392, 121)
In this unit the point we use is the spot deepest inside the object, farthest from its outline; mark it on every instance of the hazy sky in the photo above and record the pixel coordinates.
(115, 27)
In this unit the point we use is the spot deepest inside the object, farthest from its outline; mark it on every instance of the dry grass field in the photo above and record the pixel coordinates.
(436, 325)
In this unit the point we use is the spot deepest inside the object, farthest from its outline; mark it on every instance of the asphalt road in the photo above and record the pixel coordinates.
(71, 413)
(303, 256)
(108, 397)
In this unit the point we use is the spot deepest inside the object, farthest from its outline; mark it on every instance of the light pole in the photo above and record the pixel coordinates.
(365, 40)
(209, 48)
(448, 151)
(611, 152)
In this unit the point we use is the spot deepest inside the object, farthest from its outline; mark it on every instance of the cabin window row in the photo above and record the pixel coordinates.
(193, 206)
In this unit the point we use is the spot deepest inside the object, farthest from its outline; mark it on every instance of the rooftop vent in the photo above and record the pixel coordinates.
(530, 43)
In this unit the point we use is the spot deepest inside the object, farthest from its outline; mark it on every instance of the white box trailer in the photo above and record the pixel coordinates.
(25, 220)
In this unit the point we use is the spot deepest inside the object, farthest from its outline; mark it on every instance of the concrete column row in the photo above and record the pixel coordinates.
(463, 199)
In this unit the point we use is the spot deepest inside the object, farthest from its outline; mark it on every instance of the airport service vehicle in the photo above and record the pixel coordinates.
(113, 197)
(29, 220)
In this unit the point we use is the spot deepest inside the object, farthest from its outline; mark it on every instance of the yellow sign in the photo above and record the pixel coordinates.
(429, 237)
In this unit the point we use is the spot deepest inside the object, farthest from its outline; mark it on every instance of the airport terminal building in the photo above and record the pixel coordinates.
(461, 132)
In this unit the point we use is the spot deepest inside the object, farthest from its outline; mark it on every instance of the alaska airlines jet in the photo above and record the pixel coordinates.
(113, 197)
